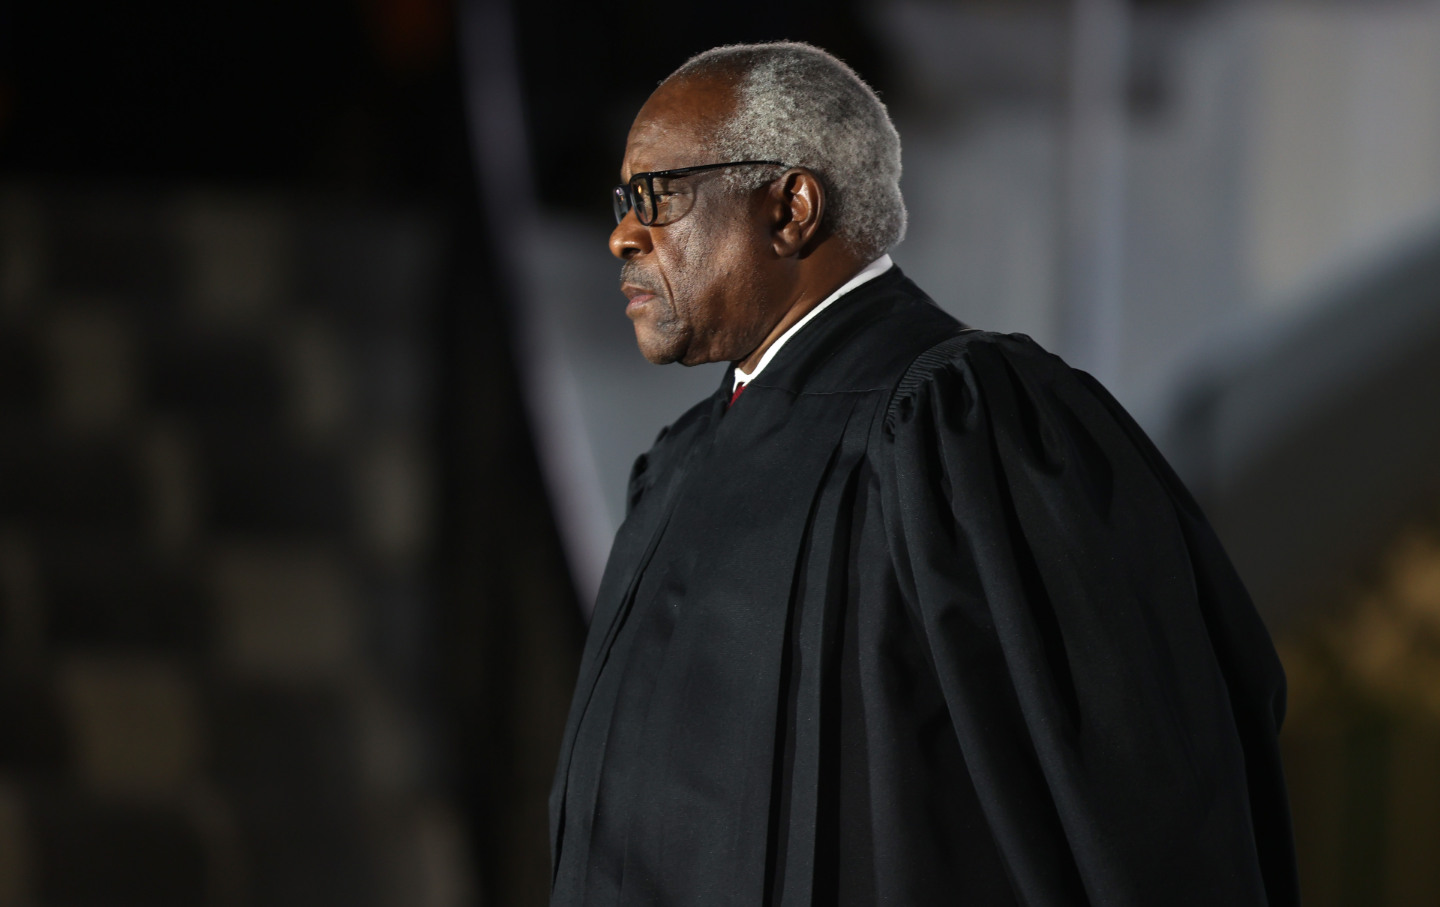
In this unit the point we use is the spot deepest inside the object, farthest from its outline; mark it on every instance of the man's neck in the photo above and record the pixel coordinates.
(824, 271)
(751, 366)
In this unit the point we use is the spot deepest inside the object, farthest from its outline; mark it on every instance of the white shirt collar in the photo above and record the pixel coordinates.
(868, 273)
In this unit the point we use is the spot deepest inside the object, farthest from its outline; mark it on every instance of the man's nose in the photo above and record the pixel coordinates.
(629, 238)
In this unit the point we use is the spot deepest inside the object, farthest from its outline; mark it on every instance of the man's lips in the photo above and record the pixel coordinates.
(637, 295)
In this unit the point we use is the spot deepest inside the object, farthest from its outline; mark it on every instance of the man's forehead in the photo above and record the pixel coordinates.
(674, 123)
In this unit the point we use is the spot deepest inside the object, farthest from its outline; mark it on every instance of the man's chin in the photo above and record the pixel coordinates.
(657, 358)
(657, 348)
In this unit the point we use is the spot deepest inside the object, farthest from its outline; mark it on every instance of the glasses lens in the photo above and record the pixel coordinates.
(644, 201)
(620, 200)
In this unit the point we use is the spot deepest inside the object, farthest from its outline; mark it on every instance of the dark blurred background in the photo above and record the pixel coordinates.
(317, 396)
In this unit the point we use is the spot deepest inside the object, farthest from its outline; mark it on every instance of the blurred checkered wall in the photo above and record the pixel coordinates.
(215, 496)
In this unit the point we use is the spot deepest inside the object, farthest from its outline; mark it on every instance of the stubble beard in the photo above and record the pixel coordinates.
(667, 333)
(660, 332)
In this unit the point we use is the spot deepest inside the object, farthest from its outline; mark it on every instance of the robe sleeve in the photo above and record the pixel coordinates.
(1115, 695)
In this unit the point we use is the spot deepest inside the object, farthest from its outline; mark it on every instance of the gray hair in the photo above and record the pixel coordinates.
(798, 104)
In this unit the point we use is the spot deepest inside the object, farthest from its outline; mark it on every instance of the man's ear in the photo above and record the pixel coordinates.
(797, 203)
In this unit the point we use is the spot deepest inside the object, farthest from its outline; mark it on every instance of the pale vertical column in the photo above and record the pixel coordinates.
(1345, 156)
(1093, 247)
(549, 382)
(1393, 128)
(1301, 92)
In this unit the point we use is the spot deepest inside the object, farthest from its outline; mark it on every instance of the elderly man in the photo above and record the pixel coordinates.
(905, 613)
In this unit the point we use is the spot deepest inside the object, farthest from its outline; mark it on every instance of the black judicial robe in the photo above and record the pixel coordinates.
(923, 619)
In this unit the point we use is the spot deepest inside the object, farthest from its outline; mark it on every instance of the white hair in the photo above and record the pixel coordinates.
(799, 104)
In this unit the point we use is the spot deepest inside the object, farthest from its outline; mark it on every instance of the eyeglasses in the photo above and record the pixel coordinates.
(640, 193)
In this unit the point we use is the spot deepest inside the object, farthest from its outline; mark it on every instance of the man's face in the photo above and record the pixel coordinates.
(695, 284)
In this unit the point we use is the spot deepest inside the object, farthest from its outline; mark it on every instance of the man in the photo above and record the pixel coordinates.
(904, 613)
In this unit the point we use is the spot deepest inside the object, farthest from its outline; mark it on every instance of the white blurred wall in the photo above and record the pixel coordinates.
(1260, 151)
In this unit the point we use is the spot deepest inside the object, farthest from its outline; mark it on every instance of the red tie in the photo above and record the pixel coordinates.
(735, 396)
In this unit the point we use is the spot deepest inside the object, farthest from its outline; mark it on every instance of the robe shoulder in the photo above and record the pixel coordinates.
(950, 370)
(1116, 695)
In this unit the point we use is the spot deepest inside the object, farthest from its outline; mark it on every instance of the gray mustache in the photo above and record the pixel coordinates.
(630, 273)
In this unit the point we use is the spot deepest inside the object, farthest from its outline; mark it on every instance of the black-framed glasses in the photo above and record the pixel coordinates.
(640, 194)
